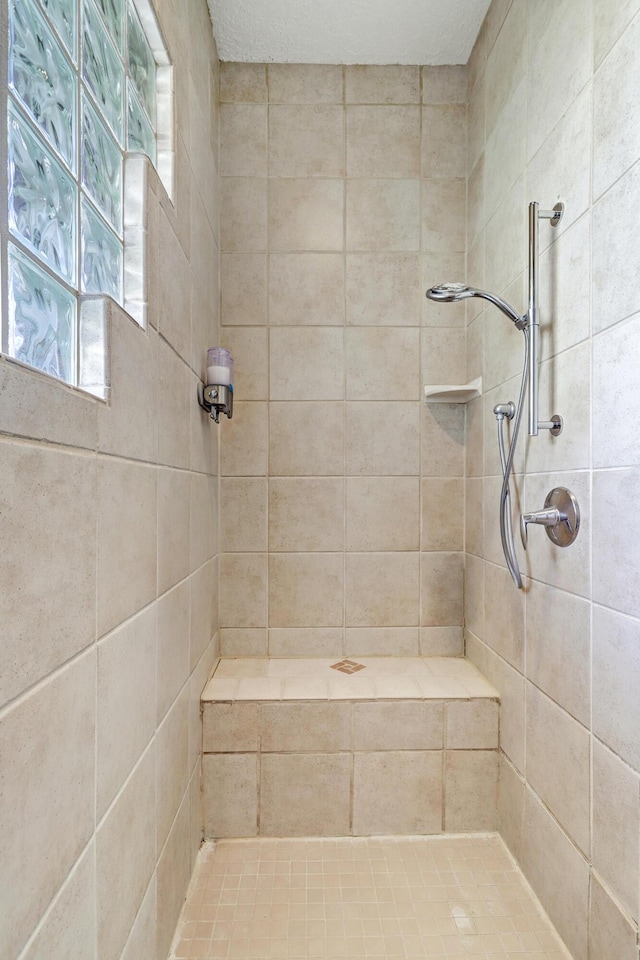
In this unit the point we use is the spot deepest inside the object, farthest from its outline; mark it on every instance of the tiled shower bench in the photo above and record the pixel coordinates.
(363, 747)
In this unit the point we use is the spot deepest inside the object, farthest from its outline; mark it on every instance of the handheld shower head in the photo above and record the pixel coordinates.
(452, 292)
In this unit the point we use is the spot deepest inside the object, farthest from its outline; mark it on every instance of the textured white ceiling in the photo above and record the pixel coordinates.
(347, 31)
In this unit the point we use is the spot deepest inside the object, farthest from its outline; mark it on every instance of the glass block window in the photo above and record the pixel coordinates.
(85, 77)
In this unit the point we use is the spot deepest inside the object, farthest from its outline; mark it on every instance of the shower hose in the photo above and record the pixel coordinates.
(506, 463)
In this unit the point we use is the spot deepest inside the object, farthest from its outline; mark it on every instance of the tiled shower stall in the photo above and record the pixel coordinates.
(337, 516)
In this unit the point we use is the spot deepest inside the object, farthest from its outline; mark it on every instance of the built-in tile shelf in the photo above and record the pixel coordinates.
(452, 392)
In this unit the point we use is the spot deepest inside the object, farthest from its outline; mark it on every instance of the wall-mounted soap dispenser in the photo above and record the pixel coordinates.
(216, 396)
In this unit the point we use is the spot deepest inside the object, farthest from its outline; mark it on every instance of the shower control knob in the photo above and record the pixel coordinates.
(561, 517)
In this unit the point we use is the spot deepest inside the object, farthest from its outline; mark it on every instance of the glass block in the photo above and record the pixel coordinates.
(141, 62)
(140, 136)
(42, 319)
(113, 15)
(101, 256)
(101, 166)
(102, 69)
(62, 14)
(42, 77)
(42, 199)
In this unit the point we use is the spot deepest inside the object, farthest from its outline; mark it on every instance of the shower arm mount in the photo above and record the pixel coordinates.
(533, 322)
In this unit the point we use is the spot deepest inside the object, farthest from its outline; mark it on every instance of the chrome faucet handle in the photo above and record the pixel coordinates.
(561, 517)
(548, 517)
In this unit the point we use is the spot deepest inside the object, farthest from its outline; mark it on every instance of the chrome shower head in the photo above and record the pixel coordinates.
(452, 292)
(449, 292)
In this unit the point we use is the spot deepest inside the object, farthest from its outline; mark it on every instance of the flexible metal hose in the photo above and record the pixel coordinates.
(506, 463)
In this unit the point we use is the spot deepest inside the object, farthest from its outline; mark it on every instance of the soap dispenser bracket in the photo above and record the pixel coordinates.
(560, 516)
(216, 398)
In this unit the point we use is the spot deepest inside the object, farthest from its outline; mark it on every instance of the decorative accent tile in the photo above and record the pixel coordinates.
(348, 666)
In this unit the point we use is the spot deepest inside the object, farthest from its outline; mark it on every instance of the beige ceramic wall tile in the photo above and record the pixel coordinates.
(616, 674)
(609, 23)
(304, 795)
(441, 642)
(443, 215)
(505, 248)
(473, 602)
(243, 514)
(173, 527)
(504, 156)
(441, 601)
(553, 83)
(382, 84)
(558, 874)
(249, 349)
(174, 399)
(442, 430)
(305, 642)
(69, 928)
(474, 516)
(230, 791)
(243, 586)
(442, 514)
(610, 932)
(382, 440)
(48, 608)
(204, 519)
(616, 825)
(383, 215)
(244, 448)
(506, 59)
(126, 721)
(383, 289)
(306, 364)
(305, 83)
(558, 764)
(615, 252)
(470, 790)
(382, 641)
(398, 726)
(305, 214)
(382, 589)
(511, 686)
(616, 383)
(444, 140)
(565, 290)
(305, 590)
(382, 513)
(306, 140)
(243, 215)
(504, 614)
(383, 141)
(125, 859)
(243, 289)
(558, 652)
(300, 727)
(141, 943)
(172, 765)
(306, 289)
(173, 874)
(443, 355)
(471, 725)
(243, 140)
(397, 792)
(444, 84)
(511, 807)
(127, 541)
(204, 609)
(48, 742)
(230, 727)
(382, 364)
(306, 514)
(306, 439)
(243, 643)
(243, 82)
(172, 665)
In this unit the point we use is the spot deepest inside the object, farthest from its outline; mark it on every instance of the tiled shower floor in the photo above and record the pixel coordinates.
(417, 897)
